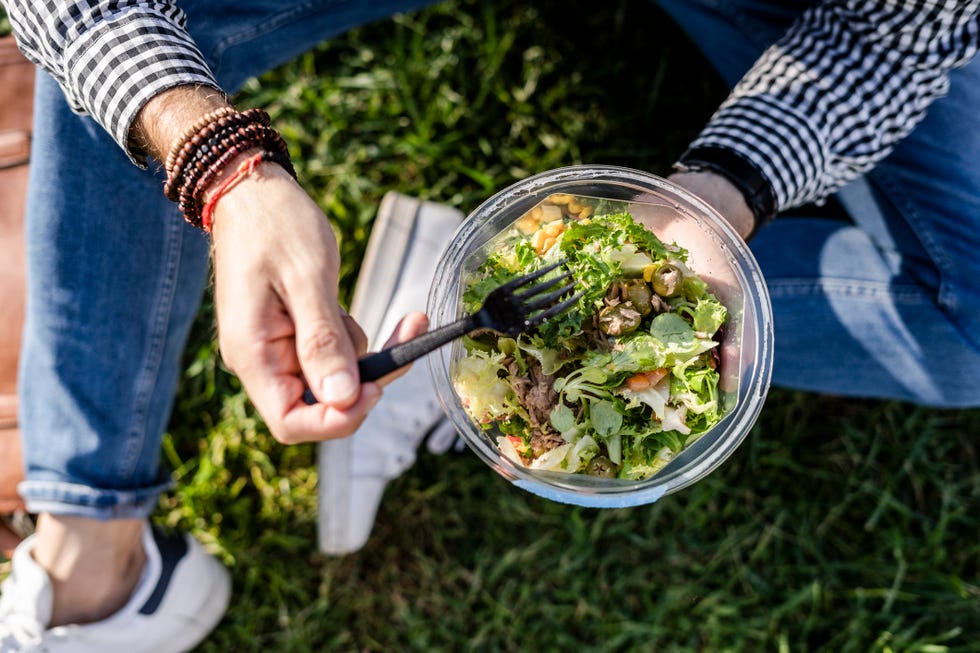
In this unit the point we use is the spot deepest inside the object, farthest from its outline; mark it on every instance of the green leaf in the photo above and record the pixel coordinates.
(708, 315)
(605, 417)
(562, 418)
(672, 330)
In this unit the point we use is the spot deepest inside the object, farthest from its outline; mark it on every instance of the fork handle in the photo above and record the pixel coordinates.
(374, 366)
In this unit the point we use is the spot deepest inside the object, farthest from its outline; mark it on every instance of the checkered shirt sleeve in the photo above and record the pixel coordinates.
(111, 57)
(837, 92)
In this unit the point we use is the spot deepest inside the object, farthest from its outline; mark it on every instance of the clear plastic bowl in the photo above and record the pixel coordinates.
(716, 254)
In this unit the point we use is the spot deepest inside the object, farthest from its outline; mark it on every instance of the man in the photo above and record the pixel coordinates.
(865, 309)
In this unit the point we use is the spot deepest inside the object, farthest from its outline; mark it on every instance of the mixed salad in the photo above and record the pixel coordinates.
(616, 387)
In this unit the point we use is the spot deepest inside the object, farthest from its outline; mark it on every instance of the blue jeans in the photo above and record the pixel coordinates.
(887, 303)
(879, 309)
(116, 276)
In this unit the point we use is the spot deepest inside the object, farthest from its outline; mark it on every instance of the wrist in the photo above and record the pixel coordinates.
(731, 170)
(201, 164)
(162, 121)
(722, 195)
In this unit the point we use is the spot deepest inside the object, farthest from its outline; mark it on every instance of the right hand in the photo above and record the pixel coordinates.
(280, 326)
(276, 262)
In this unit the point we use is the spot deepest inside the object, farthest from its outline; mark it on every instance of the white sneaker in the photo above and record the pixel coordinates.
(181, 596)
(406, 242)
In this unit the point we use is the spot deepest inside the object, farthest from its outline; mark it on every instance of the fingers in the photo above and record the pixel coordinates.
(327, 342)
(305, 421)
(412, 325)
(358, 339)
(357, 336)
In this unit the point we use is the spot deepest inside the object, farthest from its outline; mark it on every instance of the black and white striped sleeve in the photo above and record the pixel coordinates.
(832, 98)
(110, 58)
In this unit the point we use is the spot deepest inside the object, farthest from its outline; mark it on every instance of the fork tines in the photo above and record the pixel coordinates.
(557, 309)
(534, 276)
(545, 301)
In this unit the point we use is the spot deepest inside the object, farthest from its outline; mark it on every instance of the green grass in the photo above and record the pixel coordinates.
(839, 525)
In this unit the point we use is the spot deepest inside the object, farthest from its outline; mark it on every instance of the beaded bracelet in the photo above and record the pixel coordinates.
(208, 146)
(210, 154)
(200, 124)
(200, 177)
(187, 149)
(240, 142)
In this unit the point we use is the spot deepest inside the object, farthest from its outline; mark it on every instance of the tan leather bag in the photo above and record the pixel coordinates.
(16, 103)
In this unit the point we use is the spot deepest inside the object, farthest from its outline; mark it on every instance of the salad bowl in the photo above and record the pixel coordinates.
(714, 252)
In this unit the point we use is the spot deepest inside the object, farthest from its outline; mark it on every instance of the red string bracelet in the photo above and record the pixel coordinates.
(244, 170)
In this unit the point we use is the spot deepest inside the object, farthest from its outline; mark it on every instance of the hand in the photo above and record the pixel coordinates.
(280, 327)
(706, 258)
(276, 263)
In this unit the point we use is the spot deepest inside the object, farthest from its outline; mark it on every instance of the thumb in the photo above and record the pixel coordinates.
(326, 352)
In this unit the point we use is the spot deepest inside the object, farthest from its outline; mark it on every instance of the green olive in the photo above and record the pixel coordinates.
(619, 320)
(666, 280)
(639, 294)
(602, 466)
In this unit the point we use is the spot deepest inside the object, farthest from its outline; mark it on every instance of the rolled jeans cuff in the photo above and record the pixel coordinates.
(76, 500)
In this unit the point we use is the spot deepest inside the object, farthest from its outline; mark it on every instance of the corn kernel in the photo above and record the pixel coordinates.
(526, 224)
(550, 212)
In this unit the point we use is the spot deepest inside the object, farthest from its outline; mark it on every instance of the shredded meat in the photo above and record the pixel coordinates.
(535, 390)
(620, 319)
(543, 441)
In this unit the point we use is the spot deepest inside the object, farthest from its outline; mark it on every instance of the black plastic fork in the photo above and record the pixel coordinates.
(505, 310)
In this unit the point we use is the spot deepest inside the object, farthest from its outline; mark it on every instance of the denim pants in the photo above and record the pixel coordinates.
(879, 307)
(116, 276)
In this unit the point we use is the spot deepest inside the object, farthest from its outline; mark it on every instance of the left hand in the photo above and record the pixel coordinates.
(723, 196)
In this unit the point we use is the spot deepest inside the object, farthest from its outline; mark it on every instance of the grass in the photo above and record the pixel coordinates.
(839, 525)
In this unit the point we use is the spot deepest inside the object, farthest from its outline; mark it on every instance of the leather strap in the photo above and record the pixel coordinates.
(753, 185)
(16, 105)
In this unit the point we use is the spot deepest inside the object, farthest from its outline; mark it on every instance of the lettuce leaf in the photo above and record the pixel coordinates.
(478, 380)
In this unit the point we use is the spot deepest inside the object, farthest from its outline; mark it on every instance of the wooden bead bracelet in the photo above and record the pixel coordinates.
(207, 147)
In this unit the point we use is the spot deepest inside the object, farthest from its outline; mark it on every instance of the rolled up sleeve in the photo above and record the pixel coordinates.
(110, 58)
(844, 85)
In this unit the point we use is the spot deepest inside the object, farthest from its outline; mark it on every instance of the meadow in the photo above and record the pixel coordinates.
(840, 525)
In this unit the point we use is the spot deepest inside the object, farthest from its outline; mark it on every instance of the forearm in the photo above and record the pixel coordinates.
(164, 118)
